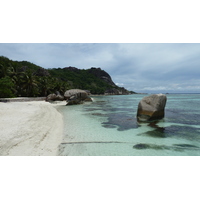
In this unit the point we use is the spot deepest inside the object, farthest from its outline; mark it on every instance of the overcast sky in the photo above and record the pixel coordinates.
(141, 67)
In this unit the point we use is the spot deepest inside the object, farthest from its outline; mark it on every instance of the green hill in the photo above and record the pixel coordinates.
(22, 78)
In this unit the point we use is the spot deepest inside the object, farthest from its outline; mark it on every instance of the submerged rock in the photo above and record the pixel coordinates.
(151, 108)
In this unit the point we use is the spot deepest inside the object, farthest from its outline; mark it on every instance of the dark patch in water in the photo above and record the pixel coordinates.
(175, 147)
(91, 109)
(118, 117)
(109, 126)
(99, 114)
(185, 132)
(185, 145)
(149, 146)
(118, 114)
(107, 106)
(182, 117)
(121, 120)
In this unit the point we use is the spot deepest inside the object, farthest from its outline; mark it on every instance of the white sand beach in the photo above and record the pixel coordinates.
(32, 128)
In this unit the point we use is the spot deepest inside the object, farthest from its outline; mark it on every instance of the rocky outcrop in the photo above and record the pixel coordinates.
(73, 69)
(95, 76)
(101, 74)
(151, 108)
(119, 91)
(76, 96)
(112, 91)
(41, 72)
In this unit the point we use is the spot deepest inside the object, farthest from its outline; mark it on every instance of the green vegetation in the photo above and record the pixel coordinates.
(29, 80)
(6, 87)
(81, 79)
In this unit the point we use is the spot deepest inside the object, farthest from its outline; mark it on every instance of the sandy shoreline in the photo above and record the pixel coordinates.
(33, 128)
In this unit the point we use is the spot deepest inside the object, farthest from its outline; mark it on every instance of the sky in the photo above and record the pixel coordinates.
(140, 67)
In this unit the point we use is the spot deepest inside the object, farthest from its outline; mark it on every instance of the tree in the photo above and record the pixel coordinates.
(29, 84)
(4, 70)
(6, 87)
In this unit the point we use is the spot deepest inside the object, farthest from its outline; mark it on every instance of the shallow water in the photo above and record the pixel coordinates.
(108, 127)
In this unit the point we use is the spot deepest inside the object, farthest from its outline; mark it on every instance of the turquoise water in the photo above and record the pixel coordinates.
(108, 127)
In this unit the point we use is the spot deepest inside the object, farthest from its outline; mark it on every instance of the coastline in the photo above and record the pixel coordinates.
(33, 128)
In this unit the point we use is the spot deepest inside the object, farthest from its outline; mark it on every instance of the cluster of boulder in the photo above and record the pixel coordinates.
(73, 96)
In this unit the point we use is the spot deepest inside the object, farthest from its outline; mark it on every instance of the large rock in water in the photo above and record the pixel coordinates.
(151, 108)
(76, 96)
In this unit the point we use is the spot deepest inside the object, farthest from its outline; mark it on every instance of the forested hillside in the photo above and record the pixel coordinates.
(25, 79)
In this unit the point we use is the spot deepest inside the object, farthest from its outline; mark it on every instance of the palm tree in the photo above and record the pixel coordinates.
(43, 85)
(29, 84)
(4, 70)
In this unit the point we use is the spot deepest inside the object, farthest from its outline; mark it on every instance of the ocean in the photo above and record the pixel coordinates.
(108, 127)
